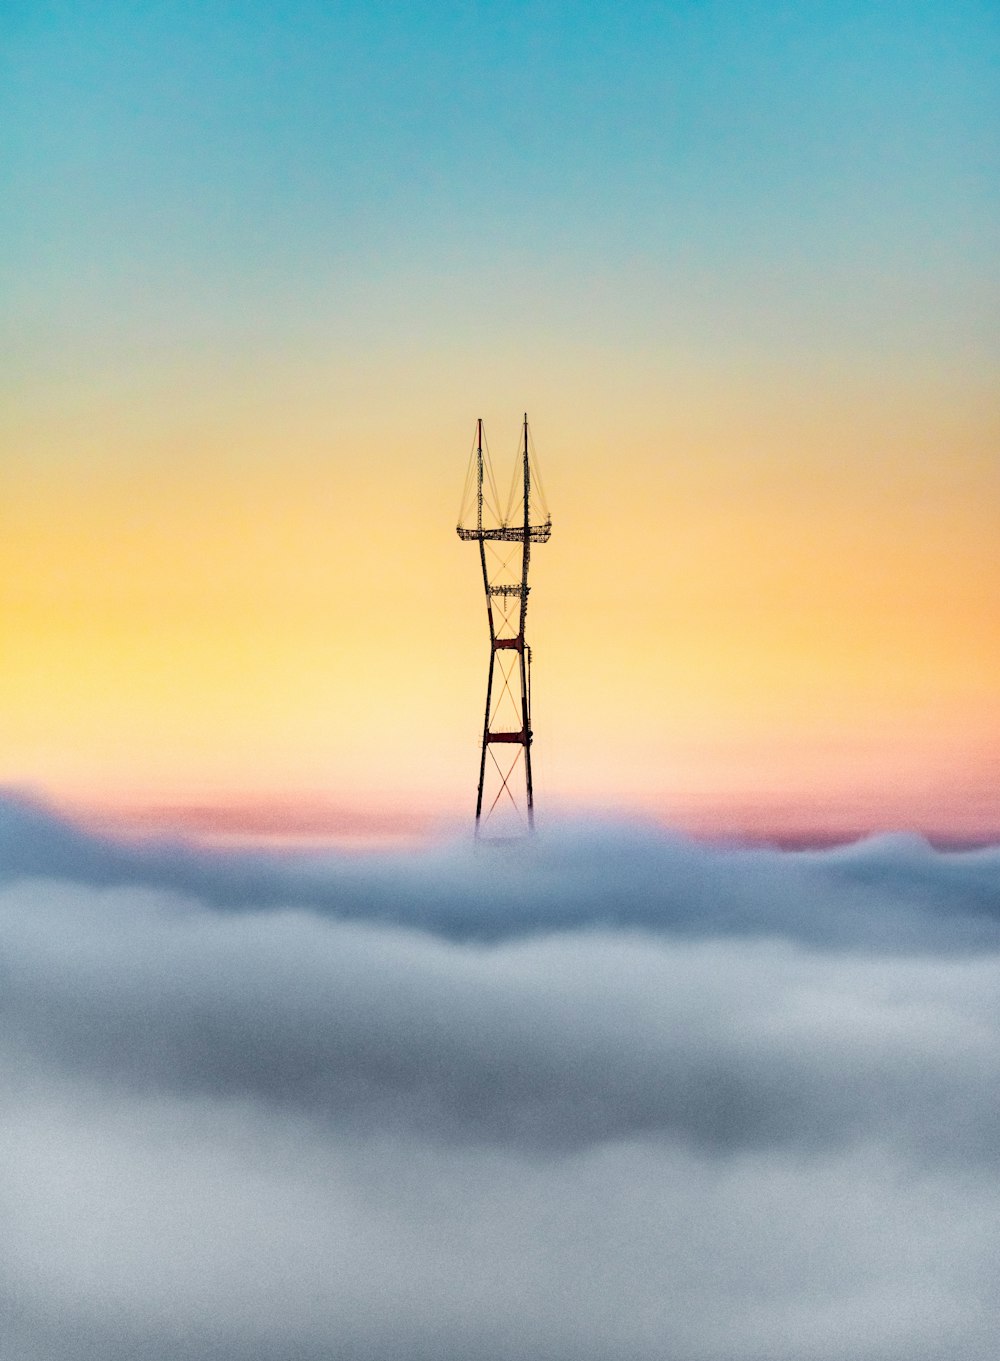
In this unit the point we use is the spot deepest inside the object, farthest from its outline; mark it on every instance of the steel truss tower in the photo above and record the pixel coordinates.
(505, 533)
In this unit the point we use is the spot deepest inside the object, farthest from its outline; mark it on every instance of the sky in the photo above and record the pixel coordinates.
(664, 1098)
(261, 270)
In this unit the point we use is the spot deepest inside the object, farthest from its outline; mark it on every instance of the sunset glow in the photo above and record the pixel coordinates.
(233, 452)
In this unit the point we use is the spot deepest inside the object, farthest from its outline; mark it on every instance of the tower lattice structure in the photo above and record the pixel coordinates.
(505, 531)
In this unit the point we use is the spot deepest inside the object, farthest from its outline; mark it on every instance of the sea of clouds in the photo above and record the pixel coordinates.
(610, 1094)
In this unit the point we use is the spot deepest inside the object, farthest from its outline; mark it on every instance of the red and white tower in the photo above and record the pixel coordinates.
(505, 532)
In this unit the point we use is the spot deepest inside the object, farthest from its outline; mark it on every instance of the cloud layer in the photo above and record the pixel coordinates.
(618, 1095)
(891, 892)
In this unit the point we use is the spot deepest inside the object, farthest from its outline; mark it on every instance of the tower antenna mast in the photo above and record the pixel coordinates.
(505, 535)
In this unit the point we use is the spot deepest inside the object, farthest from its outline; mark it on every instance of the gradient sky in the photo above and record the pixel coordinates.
(261, 268)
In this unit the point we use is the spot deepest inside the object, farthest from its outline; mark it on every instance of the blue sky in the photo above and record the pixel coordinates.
(253, 149)
(260, 264)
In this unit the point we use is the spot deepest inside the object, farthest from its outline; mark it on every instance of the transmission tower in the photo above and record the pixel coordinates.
(505, 532)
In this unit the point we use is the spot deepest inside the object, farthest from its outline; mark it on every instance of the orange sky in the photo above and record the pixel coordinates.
(739, 264)
(739, 607)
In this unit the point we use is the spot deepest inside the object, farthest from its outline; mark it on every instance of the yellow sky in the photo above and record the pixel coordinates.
(739, 601)
(259, 279)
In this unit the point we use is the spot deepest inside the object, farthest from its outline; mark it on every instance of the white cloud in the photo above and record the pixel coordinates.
(624, 1123)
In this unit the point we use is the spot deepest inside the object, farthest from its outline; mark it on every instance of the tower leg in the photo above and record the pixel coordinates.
(486, 731)
(526, 721)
